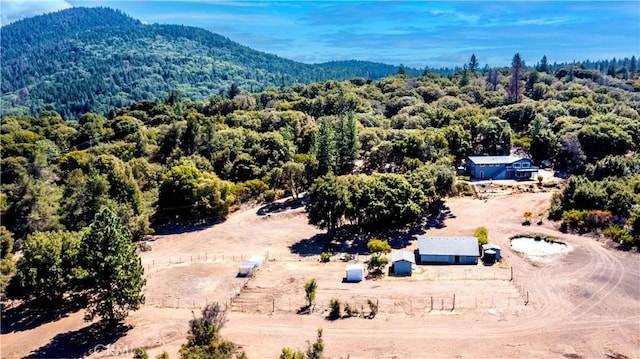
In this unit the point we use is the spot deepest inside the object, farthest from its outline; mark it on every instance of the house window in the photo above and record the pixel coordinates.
(525, 164)
(516, 165)
(482, 165)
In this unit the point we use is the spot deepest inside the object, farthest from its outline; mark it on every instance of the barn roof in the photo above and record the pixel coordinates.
(488, 160)
(403, 256)
(448, 246)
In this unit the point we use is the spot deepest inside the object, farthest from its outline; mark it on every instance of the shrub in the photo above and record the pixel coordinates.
(376, 263)
(350, 311)
(620, 235)
(373, 308)
(378, 246)
(310, 291)
(140, 353)
(335, 310)
(482, 233)
(325, 257)
(584, 220)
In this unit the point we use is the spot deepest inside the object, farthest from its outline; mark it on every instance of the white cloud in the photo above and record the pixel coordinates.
(14, 10)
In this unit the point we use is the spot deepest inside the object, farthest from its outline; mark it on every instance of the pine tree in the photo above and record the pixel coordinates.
(464, 79)
(543, 66)
(349, 144)
(113, 270)
(234, 90)
(515, 84)
(473, 64)
(633, 67)
(326, 154)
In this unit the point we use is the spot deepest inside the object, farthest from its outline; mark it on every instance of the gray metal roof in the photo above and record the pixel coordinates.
(448, 246)
(486, 160)
(403, 256)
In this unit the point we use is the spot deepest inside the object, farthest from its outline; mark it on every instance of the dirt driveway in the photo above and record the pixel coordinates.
(584, 303)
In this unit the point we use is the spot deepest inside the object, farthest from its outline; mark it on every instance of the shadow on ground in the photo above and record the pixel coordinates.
(350, 240)
(437, 219)
(26, 317)
(282, 206)
(347, 241)
(94, 338)
(179, 228)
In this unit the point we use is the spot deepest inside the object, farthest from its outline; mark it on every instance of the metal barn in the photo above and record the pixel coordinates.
(448, 250)
(403, 262)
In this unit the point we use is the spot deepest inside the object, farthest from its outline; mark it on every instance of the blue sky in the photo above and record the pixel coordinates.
(415, 33)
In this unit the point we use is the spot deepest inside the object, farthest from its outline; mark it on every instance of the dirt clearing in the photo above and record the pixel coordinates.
(582, 304)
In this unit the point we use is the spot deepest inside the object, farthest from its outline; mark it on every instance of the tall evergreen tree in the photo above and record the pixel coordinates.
(327, 150)
(234, 90)
(516, 85)
(348, 143)
(543, 66)
(113, 270)
(464, 79)
(633, 67)
(473, 64)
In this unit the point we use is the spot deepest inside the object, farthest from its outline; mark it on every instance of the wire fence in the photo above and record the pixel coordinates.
(250, 300)
(233, 258)
(361, 306)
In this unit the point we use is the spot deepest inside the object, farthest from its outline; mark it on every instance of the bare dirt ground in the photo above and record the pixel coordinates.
(584, 303)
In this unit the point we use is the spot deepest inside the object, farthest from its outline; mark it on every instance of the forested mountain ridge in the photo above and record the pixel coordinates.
(94, 59)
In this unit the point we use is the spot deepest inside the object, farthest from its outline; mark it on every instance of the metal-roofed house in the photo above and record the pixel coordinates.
(500, 168)
(450, 250)
(403, 262)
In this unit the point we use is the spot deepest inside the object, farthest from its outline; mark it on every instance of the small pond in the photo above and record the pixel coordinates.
(537, 246)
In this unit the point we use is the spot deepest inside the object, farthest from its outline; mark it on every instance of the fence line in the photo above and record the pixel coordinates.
(234, 257)
(430, 304)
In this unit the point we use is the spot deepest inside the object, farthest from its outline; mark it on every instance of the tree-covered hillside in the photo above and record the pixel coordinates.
(94, 59)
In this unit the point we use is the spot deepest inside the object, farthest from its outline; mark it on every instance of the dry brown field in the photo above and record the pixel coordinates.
(583, 303)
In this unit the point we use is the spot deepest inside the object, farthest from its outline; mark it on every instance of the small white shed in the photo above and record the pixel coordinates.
(355, 272)
(247, 269)
(403, 262)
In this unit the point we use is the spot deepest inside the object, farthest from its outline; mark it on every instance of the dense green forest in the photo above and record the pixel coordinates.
(94, 59)
(177, 160)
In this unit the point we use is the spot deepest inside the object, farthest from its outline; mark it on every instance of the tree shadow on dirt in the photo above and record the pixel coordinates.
(350, 241)
(179, 228)
(311, 246)
(94, 338)
(438, 217)
(26, 316)
(282, 206)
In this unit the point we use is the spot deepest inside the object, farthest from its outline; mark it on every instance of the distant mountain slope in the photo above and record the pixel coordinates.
(93, 59)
